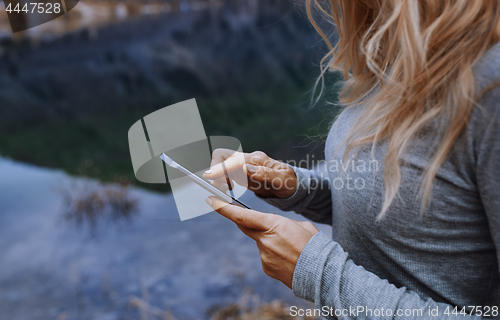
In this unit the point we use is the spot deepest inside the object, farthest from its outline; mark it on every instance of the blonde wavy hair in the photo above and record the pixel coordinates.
(418, 56)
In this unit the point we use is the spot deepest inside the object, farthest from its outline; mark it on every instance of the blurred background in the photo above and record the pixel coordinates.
(80, 237)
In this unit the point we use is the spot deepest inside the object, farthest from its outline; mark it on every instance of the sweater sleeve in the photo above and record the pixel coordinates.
(487, 154)
(325, 275)
(312, 199)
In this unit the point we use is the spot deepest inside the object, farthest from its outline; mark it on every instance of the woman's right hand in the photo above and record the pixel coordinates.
(261, 174)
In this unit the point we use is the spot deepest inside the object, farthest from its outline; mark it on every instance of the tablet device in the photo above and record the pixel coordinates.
(202, 182)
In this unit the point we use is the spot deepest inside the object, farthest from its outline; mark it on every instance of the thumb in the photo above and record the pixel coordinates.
(243, 217)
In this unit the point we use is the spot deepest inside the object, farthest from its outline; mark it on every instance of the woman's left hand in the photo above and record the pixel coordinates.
(280, 240)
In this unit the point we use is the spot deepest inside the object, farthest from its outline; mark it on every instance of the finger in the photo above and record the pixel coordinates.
(241, 216)
(277, 177)
(218, 170)
(219, 155)
(263, 174)
(221, 185)
(226, 175)
(233, 162)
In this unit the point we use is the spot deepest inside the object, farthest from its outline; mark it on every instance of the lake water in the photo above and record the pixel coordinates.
(52, 269)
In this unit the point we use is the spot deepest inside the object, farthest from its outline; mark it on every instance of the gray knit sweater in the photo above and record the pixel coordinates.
(406, 262)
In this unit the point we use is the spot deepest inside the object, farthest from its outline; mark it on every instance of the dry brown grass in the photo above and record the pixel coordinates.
(90, 203)
(148, 312)
(249, 307)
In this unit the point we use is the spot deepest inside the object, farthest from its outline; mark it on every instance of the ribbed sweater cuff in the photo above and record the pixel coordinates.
(310, 265)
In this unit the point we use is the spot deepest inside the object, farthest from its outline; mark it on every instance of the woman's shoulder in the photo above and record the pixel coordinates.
(487, 69)
(484, 123)
(487, 78)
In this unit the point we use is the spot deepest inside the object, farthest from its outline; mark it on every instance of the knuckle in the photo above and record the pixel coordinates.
(219, 155)
(275, 225)
(239, 220)
(269, 177)
(234, 162)
(265, 172)
(217, 152)
(258, 155)
(237, 154)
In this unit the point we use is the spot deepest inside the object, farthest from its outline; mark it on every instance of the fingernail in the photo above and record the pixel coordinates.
(251, 169)
(208, 171)
(208, 201)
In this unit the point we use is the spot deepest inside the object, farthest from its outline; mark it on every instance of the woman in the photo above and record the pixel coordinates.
(420, 237)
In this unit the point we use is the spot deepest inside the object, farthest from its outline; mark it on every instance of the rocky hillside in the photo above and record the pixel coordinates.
(249, 65)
